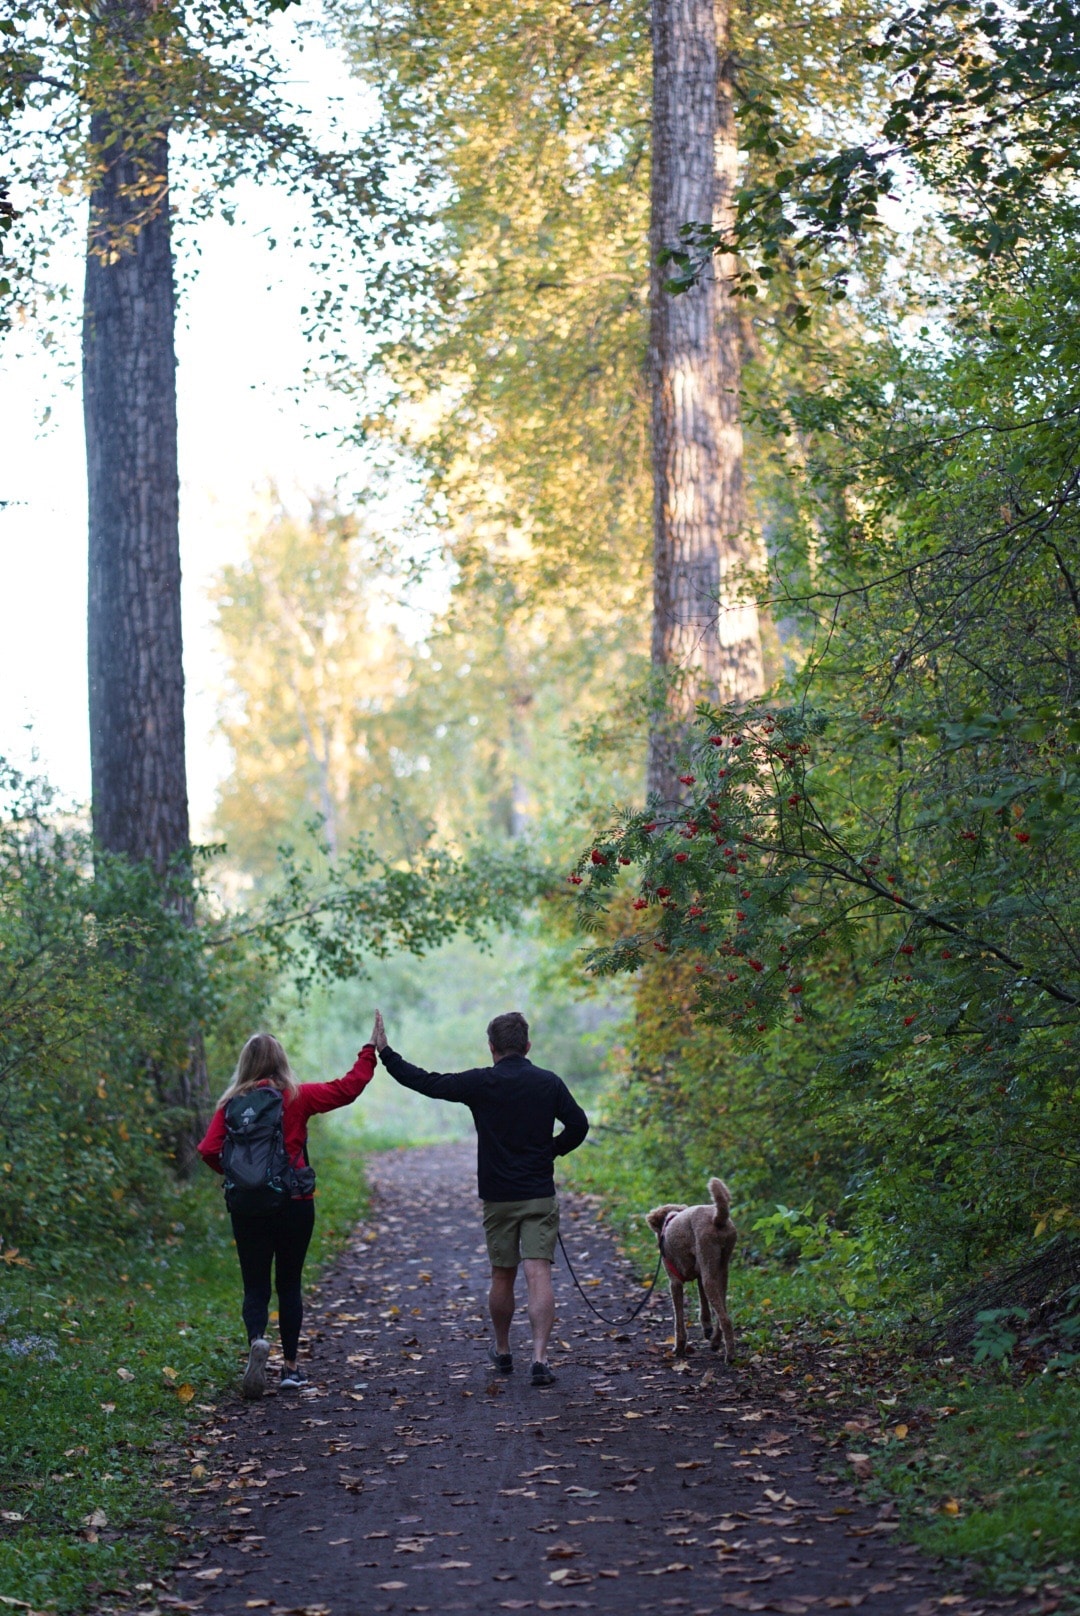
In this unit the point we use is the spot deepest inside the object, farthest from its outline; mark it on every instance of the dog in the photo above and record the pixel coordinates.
(696, 1242)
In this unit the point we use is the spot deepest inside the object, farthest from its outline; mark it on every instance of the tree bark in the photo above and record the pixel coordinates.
(705, 639)
(135, 650)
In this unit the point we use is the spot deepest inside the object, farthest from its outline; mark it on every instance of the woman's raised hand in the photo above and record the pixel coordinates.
(378, 1033)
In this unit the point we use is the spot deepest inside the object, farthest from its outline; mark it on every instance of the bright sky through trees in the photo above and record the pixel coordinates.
(245, 422)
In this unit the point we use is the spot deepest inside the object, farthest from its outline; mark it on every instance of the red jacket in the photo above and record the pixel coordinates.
(310, 1099)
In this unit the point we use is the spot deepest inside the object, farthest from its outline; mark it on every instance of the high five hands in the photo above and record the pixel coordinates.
(378, 1033)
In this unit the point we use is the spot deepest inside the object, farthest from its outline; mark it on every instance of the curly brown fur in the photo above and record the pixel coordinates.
(698, 1241)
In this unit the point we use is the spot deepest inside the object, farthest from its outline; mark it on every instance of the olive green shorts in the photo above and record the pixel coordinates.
(521, 1229)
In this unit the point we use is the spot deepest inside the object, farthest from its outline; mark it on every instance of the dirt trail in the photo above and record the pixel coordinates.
(409, 1478)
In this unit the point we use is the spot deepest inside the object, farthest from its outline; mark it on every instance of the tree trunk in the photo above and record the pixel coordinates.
(705, 640)
(138, 774)
(135, 652)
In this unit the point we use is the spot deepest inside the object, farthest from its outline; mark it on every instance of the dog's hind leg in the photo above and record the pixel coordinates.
(680, 1318)
(715, 1280)
(718, 1279)
(706, 1316)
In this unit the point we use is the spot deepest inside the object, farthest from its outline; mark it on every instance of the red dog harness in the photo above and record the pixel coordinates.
(673, 1272)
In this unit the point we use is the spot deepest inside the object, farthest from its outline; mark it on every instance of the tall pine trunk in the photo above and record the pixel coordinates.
(705, 639)
(129, 403)
(135, 650)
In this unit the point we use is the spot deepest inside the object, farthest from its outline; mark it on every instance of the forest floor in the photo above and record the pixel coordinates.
(408, 1477)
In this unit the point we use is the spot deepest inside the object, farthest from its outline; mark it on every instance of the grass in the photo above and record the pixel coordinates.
(982, 1463)
(107, 1364)
(1000, 1482)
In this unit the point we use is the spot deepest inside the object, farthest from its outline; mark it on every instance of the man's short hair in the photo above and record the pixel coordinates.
(509, 1034)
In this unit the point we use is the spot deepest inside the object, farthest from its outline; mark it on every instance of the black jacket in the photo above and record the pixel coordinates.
(515, 1106)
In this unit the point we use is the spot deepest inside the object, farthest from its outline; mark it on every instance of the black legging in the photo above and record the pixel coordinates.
(281, 1238)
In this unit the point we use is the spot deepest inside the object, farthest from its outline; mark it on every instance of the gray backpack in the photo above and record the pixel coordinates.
(259, 1177)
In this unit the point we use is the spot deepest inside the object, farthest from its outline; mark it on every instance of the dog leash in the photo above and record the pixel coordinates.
(592, 1308)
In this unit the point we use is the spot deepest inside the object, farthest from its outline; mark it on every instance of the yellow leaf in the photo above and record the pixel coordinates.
(185, 1392)
(1040, 1227)
(950, 1507)
(900, 1432)
(170, 1374)
(198, 1472)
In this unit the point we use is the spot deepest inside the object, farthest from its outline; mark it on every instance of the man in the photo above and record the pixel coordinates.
(514, 1106)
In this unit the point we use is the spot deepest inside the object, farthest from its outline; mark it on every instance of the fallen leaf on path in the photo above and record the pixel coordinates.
(209, 1574)
(662, 1571)
(388, 1587)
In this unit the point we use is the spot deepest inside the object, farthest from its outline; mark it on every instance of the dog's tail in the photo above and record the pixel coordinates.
(660, 1214)
(722, 1198)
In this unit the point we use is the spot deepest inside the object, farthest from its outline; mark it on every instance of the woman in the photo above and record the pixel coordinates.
(280, 1235)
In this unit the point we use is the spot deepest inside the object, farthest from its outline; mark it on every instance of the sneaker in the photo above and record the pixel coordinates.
(541, 1375)
(254, 1381)
(503, 1361)
(293, 1379)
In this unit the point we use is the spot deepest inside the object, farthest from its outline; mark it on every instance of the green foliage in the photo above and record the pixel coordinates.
(873, 875)
(93, 968)
(123, 1361)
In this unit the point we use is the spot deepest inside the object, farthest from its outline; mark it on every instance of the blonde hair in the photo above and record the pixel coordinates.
(262, 1060)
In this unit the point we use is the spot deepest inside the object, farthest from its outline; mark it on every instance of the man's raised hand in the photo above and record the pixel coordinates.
(378, 1033)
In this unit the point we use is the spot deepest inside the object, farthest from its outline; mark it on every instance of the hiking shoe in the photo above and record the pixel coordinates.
(293, 1379)
(503, 1361)
(541, 1375)
(254, 1381)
